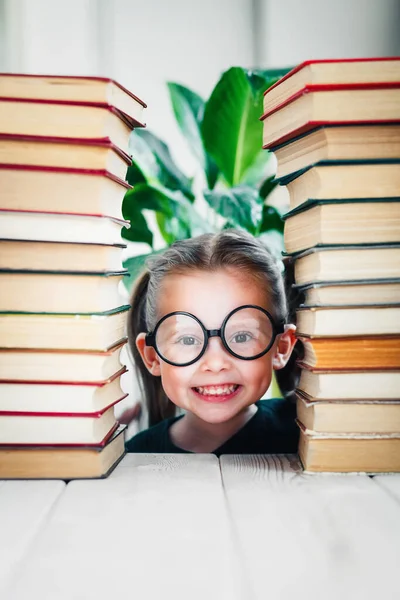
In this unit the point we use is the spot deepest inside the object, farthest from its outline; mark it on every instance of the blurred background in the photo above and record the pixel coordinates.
(145, 44)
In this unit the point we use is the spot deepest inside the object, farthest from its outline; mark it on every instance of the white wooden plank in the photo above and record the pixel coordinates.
(311, 536)
(24, 507)
(157, 528)
(390, 483)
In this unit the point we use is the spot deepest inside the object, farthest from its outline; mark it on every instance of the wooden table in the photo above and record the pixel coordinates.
(193, 527)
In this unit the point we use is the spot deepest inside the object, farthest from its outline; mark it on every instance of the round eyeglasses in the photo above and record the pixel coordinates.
(247, 332)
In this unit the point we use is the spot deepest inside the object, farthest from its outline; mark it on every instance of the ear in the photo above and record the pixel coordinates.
(284, 347)
(149, 355)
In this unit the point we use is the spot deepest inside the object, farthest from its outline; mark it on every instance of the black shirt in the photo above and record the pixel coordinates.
(272, 430)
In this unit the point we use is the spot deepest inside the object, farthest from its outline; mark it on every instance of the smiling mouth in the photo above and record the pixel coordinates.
(217, 393)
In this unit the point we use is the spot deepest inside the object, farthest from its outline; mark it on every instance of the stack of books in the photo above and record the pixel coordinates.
(334, 127)
(63, 161)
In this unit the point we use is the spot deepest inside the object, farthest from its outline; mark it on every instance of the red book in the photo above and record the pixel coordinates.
(66, 119)
(63, 153)
(54, 430)
(54, 398)
(58, 366)
(317, 105)
(63, 461)
(93, 91)
(55, 227)
(356, 71)
(62, 190)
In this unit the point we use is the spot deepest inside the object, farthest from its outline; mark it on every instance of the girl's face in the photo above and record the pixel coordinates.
(218, 386)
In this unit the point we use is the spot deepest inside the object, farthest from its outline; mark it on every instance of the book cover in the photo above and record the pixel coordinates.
(85, 383)
(39, 139)
(48, 169)
(78, 78)
(310, 203)
(331, 126)
(308, 89)
(78, 315)
(346, 282)
(327, 247)
(63, 462)
(306, 63)
(131, 122)
(336, 163)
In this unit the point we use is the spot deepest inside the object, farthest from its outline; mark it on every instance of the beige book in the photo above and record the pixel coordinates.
(39, 151)
(338, 143)
(99, 331)
(315, 106)
(80, 193)
(76, 397)
(331, 72)
(352, 293)
(326, 182)
(350, 385)
(58, 365)
(373, 454)
(59, 292)
(331, 223)
(63, 462)
(55, 430)
(48, 227)
(74, 121)
(347, 264)
(349, 417)
(60, 256)
(326, 321)
(59, 88)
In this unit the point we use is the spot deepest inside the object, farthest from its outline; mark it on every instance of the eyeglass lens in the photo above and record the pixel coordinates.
(180, 339)
(248, 332)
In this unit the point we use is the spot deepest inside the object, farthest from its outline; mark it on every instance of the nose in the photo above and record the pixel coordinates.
(215, 358)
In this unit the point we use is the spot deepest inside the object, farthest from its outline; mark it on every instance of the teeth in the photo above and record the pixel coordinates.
(217, 390)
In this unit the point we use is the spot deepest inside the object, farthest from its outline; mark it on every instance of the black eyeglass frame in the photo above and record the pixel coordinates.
(277, 328)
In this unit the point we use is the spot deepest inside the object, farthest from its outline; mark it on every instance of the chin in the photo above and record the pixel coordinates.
(217, 413)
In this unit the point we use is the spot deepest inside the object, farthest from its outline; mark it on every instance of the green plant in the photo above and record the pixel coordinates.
(224, 134)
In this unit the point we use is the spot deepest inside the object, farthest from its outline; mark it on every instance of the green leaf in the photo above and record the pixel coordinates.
(271, 76)
(231, 129)
(211, 172)
(134, 175)
(256, 172)
(191, 218)
(176, 216)
(271, 219)
(138, 231)
(153, 158)
(145, 197)
(267, 186)
(167, 228)
(188, 108)
(241, 206)
(143, 157)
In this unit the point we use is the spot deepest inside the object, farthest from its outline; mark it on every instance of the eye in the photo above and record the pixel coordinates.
(241, 337)
(188, 340)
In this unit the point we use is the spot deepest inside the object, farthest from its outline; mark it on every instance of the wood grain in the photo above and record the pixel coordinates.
(311, 535)
(24, 507)
(157, 528)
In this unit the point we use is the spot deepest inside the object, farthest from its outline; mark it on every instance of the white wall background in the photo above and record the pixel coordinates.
(144, 43)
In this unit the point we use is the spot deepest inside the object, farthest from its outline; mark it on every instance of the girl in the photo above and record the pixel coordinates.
(207, 328)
